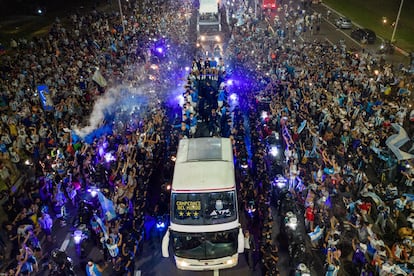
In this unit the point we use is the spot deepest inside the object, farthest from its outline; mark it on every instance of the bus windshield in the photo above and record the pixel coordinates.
(205, 246)
(208, 11)
(208, 18)
(203, 208)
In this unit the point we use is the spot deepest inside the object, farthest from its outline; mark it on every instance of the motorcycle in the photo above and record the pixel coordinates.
(251, 208)
(60, 264)
(243, 160)
(291, 221)
(161, 225)
(80, 234)
(302, 270)
(278, 189)
(386, 47)
(84, 214)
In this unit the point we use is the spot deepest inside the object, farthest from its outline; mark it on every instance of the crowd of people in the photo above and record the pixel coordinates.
(335, 109)
(67, 174)
(331, 106)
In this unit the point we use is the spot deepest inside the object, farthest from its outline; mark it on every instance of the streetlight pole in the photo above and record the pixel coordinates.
(255, 9)
(396, 21)
(122, 16)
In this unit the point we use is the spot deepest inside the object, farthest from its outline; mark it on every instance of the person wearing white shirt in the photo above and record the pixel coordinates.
(249, 248)
(293, 173)
(113, 248)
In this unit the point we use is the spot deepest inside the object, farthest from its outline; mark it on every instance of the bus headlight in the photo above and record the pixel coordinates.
(182, 263)
(232, 261)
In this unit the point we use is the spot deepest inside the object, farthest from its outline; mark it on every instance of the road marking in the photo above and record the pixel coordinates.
(65, 243)
(344, 33)
(402, 51)
(330, 42)
(341, 15)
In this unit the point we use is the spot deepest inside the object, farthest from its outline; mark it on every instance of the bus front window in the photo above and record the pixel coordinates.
(187, 209)
(204, 208)
(189, 245)
(221, 208)
(204, 246)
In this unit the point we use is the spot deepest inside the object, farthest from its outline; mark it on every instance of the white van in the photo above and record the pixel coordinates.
(209, 18)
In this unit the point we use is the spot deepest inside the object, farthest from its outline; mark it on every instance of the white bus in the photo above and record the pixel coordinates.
(204, 223)
(209, 17)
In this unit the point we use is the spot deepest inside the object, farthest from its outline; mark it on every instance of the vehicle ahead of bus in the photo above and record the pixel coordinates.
(209, 18)
(204, 230)
(364, 35)
(343, 23)
(269, 4)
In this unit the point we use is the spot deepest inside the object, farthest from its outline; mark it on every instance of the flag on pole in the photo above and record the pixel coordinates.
(316, 234)
(302, 126)
(45, 97)
(102, 226)
(396, 141)
(107, 206)
(99, 79)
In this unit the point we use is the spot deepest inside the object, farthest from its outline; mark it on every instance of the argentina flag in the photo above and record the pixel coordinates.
(316, 234)
(396, 141)
(45, 97)
(107, 207)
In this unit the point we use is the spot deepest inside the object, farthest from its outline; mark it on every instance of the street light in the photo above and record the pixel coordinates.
(122, 17)
(396, 21)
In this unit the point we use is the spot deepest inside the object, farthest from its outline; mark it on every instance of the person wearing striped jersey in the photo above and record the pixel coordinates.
(113, 248)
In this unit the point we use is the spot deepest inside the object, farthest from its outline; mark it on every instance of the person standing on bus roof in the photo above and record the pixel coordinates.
(249, 249)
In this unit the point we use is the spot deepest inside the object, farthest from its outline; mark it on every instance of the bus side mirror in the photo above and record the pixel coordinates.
(240, 239)
(165, 243)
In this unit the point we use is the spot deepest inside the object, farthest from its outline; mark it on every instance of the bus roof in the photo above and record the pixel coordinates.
(208, 6)
(204, 164)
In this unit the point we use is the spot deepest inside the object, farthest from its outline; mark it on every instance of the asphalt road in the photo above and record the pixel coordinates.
(151, 262)
(333, 34)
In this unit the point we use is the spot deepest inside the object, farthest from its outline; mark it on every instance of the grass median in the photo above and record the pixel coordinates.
(19, 22)
(370, 14)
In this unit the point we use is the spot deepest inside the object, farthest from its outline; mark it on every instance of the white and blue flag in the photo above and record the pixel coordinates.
(107, 206)
(45, 97)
